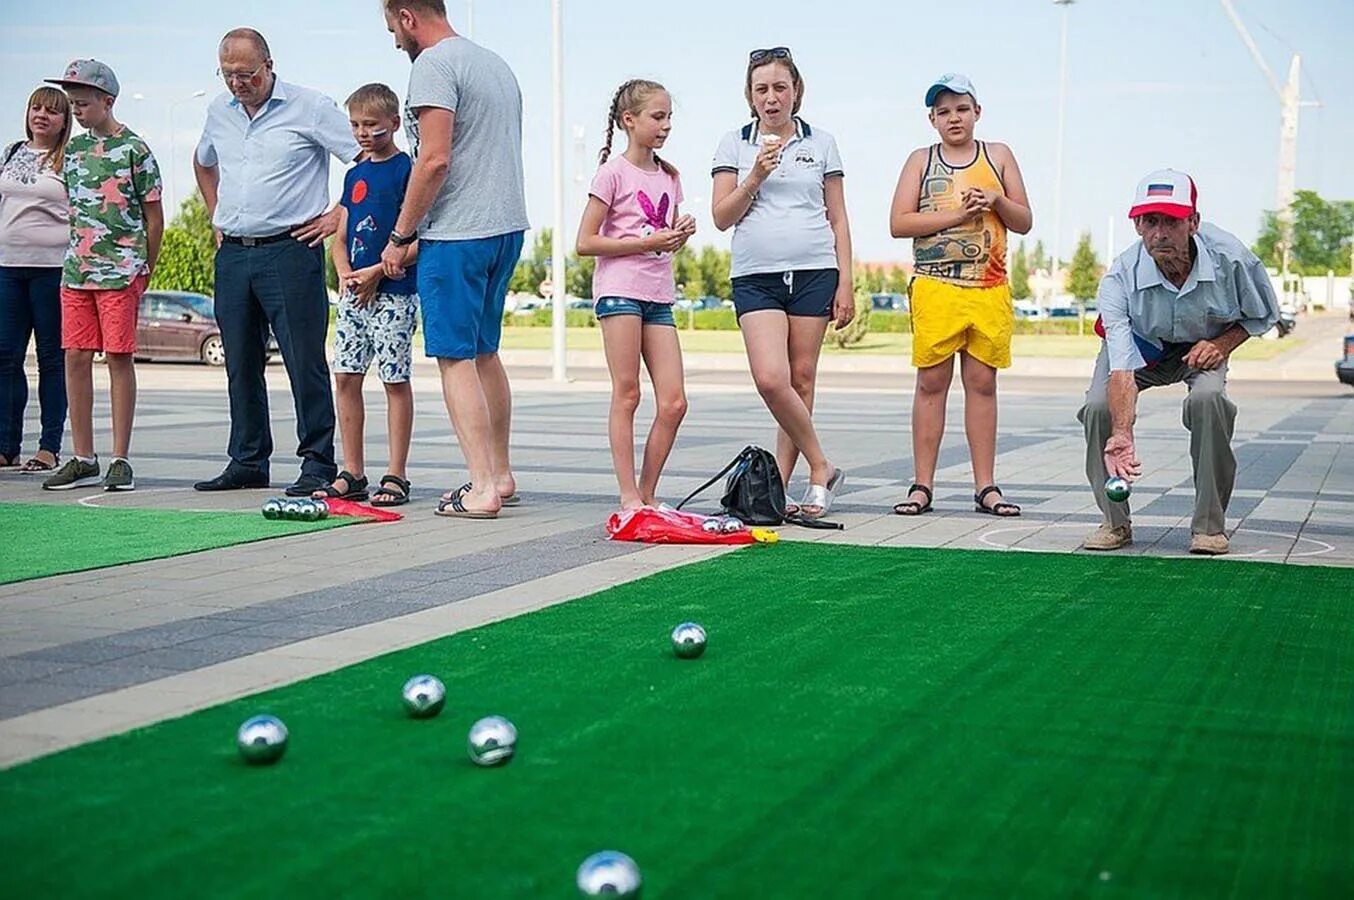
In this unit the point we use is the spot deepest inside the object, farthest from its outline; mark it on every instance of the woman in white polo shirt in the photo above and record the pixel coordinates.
(34, 232)
(778, 184)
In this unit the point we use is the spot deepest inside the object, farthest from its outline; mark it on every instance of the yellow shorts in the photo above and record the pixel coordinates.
(947, 318)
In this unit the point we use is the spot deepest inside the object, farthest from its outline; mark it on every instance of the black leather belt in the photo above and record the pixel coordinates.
(256, 241)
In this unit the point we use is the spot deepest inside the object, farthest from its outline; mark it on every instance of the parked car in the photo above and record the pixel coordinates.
(889, 302)
(182, 325)
(1027, 310)
(1344, 369)
(1063, 312)
(700, 303)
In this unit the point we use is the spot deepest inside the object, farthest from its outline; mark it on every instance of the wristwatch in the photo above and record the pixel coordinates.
(403, 240)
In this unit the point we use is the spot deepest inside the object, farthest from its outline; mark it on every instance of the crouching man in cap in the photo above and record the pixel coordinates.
(1173, 307)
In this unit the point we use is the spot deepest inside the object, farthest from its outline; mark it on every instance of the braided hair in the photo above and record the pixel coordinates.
(630, 98)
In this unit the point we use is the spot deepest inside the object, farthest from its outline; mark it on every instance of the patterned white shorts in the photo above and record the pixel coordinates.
(383, 329)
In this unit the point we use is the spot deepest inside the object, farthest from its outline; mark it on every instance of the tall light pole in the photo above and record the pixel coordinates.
(558, 275)
(1058, 158)
(470, 19)
(170, 206)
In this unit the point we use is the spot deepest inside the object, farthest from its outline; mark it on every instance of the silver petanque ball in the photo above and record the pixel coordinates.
(272, 509)
(309, 511)
(262, 740)
(424, 696)
(712, 526)
(492, 741)
(731, 525)
(1117, 489)
(321, 508)
(688, 640)
(292, 510)
(609, 873)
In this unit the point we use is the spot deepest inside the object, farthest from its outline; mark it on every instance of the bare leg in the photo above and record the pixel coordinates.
(805, 346)
(980, 420)
(463, 394)
(928, 422)
(498, 396)
(622, 340)
(352, 420)
(80, 400)
(766, 337)
(400, 423)
(663, 357)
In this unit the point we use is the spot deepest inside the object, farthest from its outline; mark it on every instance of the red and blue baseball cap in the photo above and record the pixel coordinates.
(1167, 192)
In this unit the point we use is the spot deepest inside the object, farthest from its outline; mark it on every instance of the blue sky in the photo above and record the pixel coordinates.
(1151, 83)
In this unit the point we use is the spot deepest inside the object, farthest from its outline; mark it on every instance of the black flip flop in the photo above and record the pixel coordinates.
(912, 507)
(996, 508)
(392, 486)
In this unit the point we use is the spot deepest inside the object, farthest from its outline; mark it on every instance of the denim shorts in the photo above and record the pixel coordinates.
(806, 292)
(649, 312)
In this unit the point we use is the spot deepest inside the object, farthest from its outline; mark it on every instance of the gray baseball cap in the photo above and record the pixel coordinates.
(952, 82)
(88, 73)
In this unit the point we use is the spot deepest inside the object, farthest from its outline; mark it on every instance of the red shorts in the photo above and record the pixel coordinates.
(96, 319)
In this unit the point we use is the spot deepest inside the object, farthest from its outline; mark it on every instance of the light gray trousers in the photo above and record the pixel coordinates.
(1209, 416)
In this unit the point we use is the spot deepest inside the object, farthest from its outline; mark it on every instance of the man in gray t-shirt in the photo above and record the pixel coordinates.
(466, 206)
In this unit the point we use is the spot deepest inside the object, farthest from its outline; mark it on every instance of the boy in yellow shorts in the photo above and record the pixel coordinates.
(956, 200)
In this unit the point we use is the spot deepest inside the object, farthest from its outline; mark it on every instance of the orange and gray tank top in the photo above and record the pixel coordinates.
(972, 254)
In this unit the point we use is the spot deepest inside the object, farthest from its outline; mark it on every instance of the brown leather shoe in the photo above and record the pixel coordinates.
(1208, 544)
(1107, 538)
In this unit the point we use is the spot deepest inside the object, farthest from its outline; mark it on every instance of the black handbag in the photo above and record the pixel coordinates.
(753, 493)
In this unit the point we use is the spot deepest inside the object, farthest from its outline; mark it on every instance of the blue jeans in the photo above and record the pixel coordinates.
(30, 304)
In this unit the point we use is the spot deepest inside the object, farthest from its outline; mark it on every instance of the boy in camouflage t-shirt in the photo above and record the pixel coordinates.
(116, 224)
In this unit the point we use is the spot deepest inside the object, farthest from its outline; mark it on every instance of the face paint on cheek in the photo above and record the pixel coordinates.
(379, 132)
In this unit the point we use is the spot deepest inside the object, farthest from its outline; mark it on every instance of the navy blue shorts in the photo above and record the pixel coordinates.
(649, 312)
(808, 292)
(461, 287)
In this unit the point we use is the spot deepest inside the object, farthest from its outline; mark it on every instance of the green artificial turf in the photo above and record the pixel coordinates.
(46, 539)
(867, 722)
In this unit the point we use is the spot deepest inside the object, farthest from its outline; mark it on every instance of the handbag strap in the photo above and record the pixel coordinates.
(10, 151)
(736, 460)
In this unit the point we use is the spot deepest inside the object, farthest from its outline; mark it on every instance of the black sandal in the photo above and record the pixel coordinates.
(394, 487)
(996, 509)
(912, 507)
(357, 488)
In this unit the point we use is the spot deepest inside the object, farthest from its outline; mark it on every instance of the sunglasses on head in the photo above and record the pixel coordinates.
(757, 56)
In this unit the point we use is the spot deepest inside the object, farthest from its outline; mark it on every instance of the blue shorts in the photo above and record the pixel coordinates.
(649, 312)
(807, 292)
(461, 287)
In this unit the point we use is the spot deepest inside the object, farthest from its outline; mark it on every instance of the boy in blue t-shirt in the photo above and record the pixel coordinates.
(377, 316)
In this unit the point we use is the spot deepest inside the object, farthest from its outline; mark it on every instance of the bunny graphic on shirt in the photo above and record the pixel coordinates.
(657, 217)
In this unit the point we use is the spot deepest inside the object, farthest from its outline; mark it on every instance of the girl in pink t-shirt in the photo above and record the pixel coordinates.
(632, 226)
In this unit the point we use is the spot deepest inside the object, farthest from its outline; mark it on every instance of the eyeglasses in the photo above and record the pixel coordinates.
(757, 56)
(240, 77)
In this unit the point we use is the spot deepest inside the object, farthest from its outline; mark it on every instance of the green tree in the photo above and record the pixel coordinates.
(686, 272)
(714, 268)
(1083, 275)
(1321, 236)
(1020, 274)
(188, 251)
(1039, 258)
(580, 276)
(531, 268)
(897, 281)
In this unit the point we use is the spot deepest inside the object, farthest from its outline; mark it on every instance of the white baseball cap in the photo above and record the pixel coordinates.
(1168, 192)
(953, 82)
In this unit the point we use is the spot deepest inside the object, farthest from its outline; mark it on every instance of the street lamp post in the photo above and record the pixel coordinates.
(558, 276)
(1058, 163)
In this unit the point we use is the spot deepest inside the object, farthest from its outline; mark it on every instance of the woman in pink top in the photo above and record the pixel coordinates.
(34, 232)
(632, 226)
